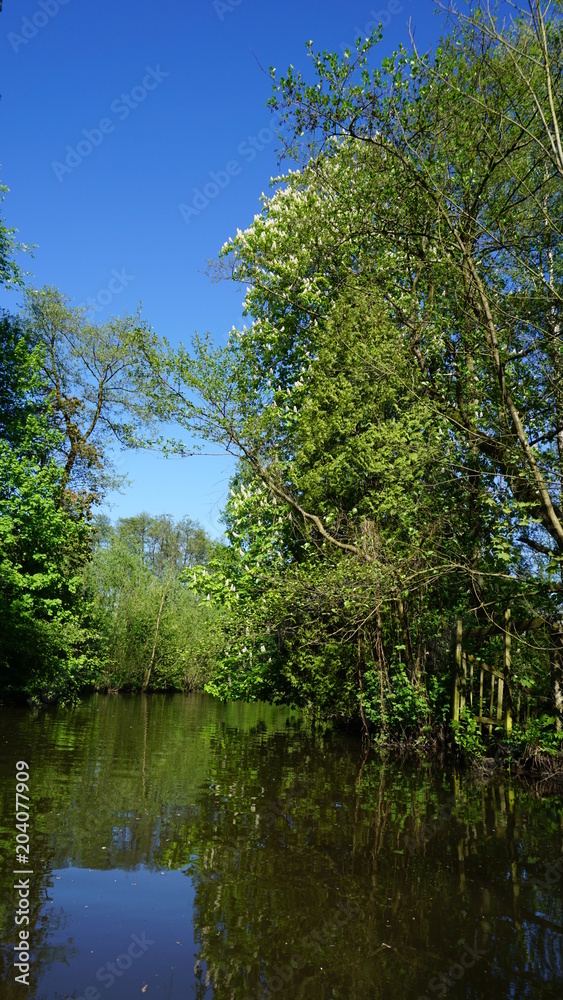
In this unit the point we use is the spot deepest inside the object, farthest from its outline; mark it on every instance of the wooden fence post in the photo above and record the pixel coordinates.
(463, 688)
(500, 698)
(507, 669)
(457, 680)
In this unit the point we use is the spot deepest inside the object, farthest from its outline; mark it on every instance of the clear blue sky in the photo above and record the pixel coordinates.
(173, 92)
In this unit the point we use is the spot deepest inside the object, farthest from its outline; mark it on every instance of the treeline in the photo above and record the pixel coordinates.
(155, 633)
(396, 400)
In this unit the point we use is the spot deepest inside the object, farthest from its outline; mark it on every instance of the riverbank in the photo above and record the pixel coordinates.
(531, 761)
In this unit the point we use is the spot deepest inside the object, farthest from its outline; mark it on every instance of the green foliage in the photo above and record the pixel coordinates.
(69, 387)
(405, 708)
(401, 462)
(408, 704)
(536, 736)
(154, 633)
(465, 249)
(93, 378)
(10, 272)
(439, 690)
(468, 738)
(396, 401)
(46, 646)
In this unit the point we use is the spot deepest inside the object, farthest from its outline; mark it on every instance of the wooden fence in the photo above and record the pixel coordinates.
(497, 699)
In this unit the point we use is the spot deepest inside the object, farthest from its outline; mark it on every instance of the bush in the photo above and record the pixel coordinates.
(468, 738)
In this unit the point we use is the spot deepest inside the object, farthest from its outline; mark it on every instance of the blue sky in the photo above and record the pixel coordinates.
(113, 114)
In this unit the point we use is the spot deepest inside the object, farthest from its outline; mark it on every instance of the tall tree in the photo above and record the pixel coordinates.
(432, 190)
(93, 383)
(46, 645)
(468, 258)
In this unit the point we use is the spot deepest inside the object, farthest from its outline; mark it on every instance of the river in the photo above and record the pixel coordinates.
(184, 848)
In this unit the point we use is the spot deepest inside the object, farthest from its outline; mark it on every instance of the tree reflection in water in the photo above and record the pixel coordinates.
(312, 871)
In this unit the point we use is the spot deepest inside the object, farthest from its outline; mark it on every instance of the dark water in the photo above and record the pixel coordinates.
(184, 848)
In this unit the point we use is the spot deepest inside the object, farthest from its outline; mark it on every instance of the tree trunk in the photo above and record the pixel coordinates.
(151, 661)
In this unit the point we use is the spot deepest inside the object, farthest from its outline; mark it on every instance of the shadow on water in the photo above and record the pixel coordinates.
(185, 848)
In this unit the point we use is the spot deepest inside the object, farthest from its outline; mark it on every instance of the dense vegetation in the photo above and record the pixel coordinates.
(396, 403)
(154, 632)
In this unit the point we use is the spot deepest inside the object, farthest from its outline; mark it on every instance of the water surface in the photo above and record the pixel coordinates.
(183, 848)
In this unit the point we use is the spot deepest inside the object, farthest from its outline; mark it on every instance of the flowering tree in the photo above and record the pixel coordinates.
(399, 391)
